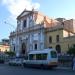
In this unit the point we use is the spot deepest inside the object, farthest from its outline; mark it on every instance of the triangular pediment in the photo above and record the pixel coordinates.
(25, 12)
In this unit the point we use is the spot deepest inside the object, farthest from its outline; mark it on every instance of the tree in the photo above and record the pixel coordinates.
(10, 53)
(71, 51)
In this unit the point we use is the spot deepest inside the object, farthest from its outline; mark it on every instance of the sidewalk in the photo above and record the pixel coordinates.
(65, 68)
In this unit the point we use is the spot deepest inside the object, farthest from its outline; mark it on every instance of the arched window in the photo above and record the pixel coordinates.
(58, 48)
(23, 48)
(74, 45)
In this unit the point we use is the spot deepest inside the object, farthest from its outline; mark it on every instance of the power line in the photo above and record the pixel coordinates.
(9, 24)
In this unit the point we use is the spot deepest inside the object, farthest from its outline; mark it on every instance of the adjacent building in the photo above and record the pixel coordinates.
(60, 37)
(4, 45)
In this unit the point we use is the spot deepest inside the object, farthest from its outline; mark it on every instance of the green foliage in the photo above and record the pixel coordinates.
(10, 53)
(71, 51)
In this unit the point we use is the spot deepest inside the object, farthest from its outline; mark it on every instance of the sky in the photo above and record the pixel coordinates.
(10, 9)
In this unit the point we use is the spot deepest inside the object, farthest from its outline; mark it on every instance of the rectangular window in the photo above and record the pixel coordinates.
(35, 47)
(57, 38)
(24, 23)
(14, 48)
(50, 39)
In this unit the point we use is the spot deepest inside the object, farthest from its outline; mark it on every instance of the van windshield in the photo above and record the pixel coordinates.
(53, 54)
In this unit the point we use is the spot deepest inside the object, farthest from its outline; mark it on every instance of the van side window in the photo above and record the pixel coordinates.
(38, 56)
(41, 56)
(53, 54)
(32, 57)
(44, 56)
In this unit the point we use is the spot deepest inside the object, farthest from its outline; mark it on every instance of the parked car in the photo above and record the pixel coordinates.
(16, 61)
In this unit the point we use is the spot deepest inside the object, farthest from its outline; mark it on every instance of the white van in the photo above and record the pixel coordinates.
(42, 58)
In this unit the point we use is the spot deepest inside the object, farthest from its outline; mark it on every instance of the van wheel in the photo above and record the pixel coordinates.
(24, 65)
(42, 66)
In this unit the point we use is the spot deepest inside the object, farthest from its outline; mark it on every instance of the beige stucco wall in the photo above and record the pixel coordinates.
(3, 48)
(65, 33)
(38, 18)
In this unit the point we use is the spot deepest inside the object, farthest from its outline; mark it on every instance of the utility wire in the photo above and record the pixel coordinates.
(9, 24)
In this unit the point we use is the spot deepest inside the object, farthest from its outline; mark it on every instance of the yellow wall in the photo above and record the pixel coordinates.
(65, 41)
(53, 35)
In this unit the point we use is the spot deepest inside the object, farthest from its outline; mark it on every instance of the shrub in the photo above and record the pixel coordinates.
(71, 51)
(10, 53)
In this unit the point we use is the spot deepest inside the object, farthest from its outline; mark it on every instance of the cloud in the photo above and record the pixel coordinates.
(15, 7)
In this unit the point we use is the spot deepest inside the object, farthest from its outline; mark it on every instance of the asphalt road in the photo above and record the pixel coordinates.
(17, 70)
